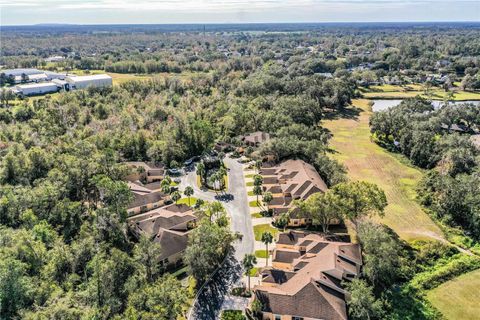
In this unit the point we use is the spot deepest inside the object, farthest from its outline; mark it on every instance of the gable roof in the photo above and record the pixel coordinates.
(314, 289)
(256, 137)
(169, 226)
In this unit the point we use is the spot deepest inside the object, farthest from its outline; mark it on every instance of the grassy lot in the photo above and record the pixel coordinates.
(253, 272)
(458, 298)
(185, 201)
(254, 203)
(261, 254)
(261, 228)
(367, 161)
(396, 92)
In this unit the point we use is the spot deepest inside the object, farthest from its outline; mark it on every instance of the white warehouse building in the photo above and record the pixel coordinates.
(32, 89)
(96, 81)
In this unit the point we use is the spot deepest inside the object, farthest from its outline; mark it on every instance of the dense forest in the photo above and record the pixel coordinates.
(65, 248)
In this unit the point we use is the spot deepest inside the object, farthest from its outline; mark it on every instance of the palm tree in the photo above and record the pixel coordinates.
(267, 238)
(188, 192)
(165, 185)
(257, 190)
(267, 198)
(201, 171)
(176, 196)
(248, 263)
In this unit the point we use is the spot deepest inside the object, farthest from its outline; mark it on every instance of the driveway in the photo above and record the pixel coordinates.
(213, 297)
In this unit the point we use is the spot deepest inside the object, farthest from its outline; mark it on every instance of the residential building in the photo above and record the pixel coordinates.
(305, 280)
(255, 139)
(169, 226)
(145, 171)
(146, 197)
(288, 181)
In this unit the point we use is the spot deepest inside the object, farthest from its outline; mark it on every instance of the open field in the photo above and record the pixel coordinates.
(367, 161)
(387, 91)
(458, 298)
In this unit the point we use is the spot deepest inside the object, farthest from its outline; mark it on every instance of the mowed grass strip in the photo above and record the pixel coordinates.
(397, 92)
(458, 298)
(367, 161)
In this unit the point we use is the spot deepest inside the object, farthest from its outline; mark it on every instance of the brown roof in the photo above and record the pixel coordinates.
(142, 199)
(314, 300)
(150, 168)
(257, 137)
(286, 256)
(290, 238)
(294, 179)
(169, 225)
(171, 242)
(314, 289)
(276, 276)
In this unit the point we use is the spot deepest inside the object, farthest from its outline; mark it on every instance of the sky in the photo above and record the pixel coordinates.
(27, 12)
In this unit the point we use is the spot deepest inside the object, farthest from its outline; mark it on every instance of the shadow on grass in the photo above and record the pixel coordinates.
(350, 112)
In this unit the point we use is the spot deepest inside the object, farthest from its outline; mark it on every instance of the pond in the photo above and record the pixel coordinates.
(383, 104)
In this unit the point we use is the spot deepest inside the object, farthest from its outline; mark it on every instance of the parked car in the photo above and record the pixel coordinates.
(191, 161)
(174, 172)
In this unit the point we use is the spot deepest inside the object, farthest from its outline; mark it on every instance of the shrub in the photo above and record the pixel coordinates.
(455, 266)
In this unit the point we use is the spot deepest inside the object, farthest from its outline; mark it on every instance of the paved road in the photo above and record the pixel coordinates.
(214, 295)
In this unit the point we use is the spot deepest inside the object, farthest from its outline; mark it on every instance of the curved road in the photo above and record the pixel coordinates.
(215, 294)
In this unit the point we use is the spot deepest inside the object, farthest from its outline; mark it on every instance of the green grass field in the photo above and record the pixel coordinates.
(261, 228)
(387, 91)
(367, 161)
(185, 201)
(458, 298)
(261, 254)
(254, 203)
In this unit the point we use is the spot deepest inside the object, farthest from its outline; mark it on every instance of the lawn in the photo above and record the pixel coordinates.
(254, 203)
(367, 161)
(261, 228)
(185, 201)
(261, 254)
(458, 298)
(249, 184)
(253, 272)
(257, 215)
(395, 92)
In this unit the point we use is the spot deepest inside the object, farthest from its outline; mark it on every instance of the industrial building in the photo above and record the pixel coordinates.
(32, 89)
(82, 82)
(57, 82)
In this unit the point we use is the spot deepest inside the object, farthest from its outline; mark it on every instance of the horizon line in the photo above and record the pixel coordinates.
(59, 24)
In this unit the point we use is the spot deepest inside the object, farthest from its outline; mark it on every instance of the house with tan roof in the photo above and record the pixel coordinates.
(255, 139)
(288, 181)
(145, 171)
(305, 280)
(169, 226)
(145, 197)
